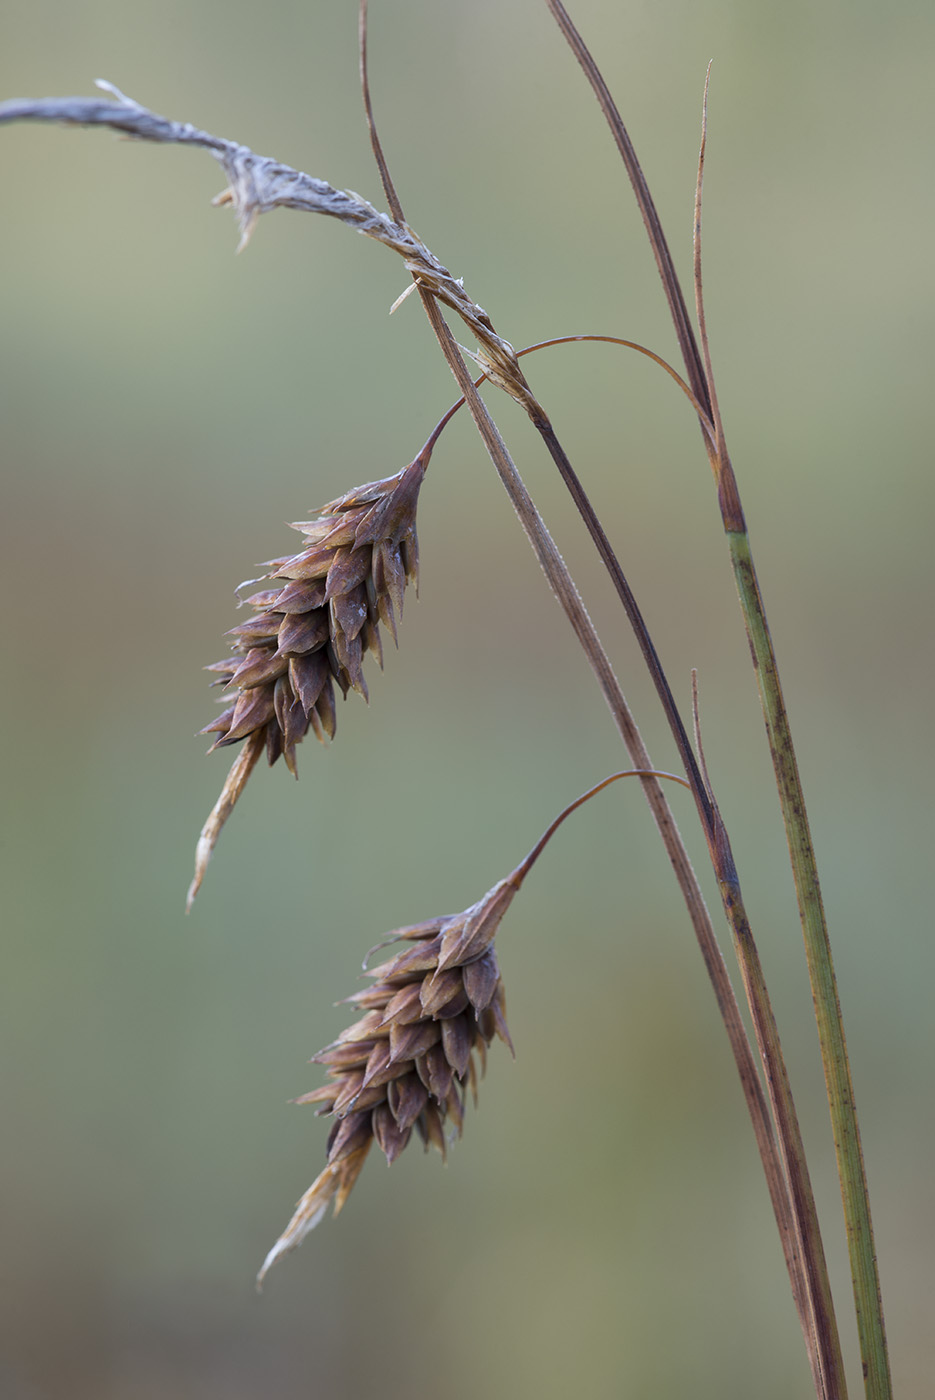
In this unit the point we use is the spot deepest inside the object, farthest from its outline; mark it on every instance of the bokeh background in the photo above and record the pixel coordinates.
(602, 1229)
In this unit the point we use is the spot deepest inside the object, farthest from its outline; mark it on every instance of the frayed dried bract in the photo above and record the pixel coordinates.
(333, 1184)
(409, 1061)
(312, 629)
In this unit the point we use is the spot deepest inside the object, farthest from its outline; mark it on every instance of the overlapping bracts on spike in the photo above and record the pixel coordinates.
(320, 617)
(408, 1063)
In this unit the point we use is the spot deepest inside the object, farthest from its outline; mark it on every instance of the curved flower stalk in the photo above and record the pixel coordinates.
(312, 628)
(409, 1061)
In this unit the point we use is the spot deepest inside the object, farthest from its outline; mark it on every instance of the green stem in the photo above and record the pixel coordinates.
(826, 1359)
(774, 1162)
(829, 1374)
(831, 1378)
(867, 1299)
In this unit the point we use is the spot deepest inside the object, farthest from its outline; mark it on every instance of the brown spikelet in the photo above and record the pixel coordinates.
(410, 1060)
(312, 628)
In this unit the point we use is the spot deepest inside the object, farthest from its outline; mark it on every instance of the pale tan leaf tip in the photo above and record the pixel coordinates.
(403, 295)
(234, 784)
(309, 1211)
(333, 1184)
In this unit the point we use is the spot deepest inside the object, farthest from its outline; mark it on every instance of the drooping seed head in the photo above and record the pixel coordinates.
(408, 1062)
(311, 630)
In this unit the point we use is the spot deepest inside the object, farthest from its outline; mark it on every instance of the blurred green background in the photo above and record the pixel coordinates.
(602, 1229)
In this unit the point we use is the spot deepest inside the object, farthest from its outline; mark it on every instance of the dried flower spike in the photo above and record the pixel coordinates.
(312, 628)
(408, 1062)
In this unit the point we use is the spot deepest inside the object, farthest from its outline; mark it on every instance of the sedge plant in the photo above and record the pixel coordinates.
(434, 1007)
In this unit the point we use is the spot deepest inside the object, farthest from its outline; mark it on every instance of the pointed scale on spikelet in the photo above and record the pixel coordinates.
(312, 630)
(407, 1064)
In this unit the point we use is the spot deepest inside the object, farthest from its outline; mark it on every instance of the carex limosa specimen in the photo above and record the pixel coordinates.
(278, 719)
(256, 185)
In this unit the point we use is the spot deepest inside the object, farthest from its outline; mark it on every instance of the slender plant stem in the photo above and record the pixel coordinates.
(575, 340)
(784, 1206)
(797, 1251)
(867, 1295)
(647, 207)
(596, 530)
(826, 1361)
(796, 1224)
(828, 1365)
(768, 1041)
(526, 864)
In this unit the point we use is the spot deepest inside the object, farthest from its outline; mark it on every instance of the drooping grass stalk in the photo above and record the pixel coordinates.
(792, 1197)
(810, 1290)
(828, 1368)
(798, 1228)
(855, 1196)
(789, 1133)
(785, 1207)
